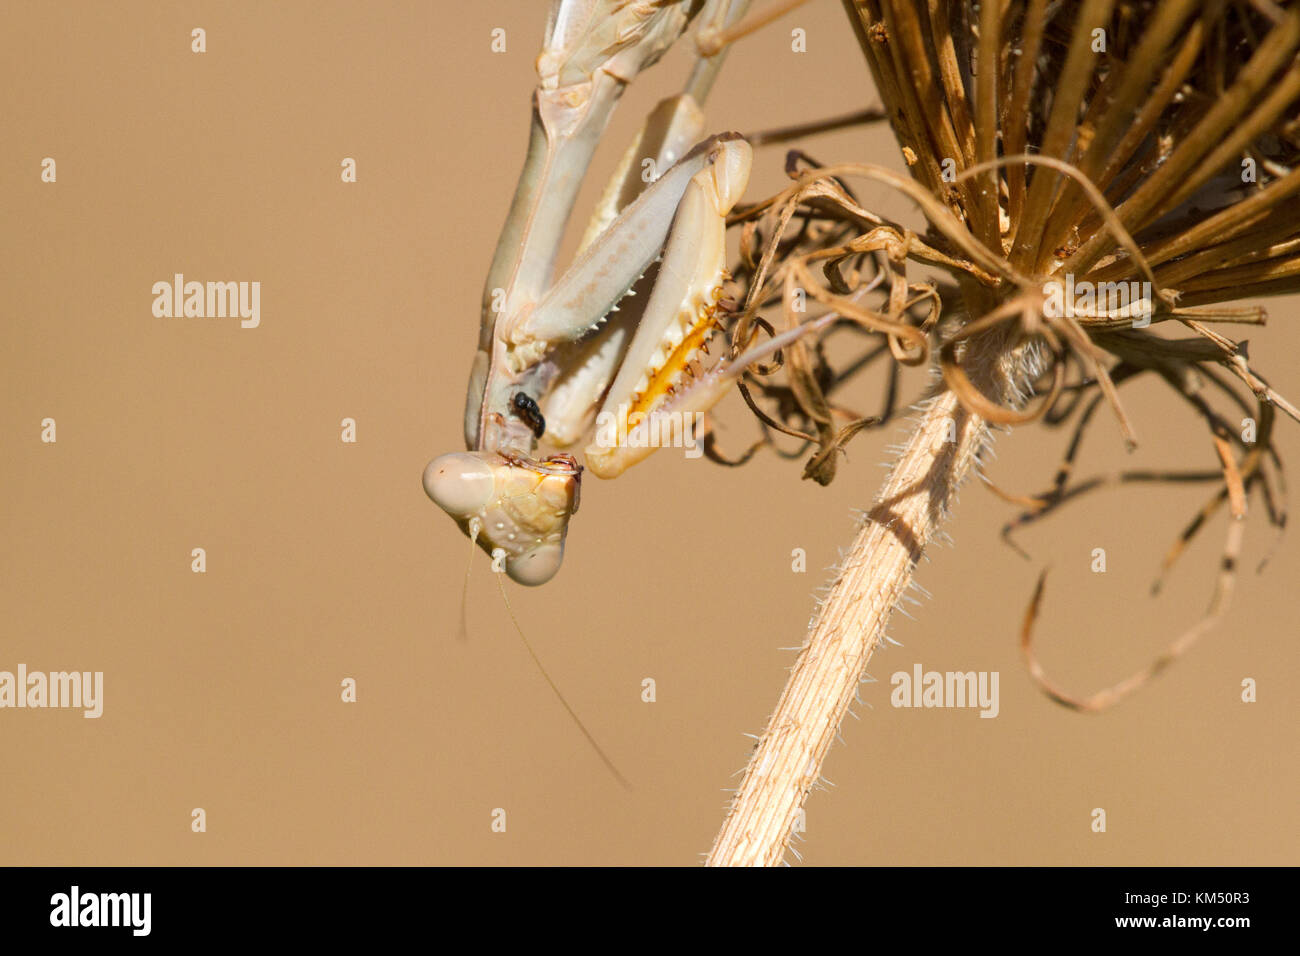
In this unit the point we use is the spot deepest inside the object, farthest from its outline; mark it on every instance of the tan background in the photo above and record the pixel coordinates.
(326, 560)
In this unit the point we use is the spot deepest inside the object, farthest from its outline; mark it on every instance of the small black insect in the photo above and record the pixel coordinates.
(527, 409)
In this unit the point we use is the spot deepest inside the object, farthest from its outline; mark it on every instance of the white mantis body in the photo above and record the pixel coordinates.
(550, 350)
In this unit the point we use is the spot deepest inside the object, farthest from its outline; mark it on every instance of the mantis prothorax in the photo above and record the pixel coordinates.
(550, 350)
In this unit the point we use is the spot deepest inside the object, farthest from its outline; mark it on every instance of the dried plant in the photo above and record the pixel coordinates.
(1096, 145)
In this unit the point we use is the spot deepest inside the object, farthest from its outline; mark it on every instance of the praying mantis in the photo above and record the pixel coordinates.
(553, 353)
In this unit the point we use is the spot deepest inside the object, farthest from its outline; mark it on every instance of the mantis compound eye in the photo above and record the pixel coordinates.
(460, 483)
(536, 566)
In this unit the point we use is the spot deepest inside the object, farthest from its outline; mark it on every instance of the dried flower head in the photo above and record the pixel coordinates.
(1092, 174)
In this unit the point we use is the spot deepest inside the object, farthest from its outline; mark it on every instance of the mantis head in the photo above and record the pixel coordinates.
(516, 509)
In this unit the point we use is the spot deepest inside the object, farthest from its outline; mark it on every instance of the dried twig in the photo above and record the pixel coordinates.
(894, 534)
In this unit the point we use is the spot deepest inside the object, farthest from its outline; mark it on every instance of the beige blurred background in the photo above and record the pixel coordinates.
(326, 561)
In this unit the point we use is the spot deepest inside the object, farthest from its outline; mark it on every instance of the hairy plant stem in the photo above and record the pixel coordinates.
(907, 513)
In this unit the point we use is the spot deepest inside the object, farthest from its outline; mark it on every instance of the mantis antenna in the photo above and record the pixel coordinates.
(555, 688)
(475, 525)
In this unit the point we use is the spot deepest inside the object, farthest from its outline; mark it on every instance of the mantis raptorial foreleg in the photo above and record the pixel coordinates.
(548, 350)
(681, 314)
